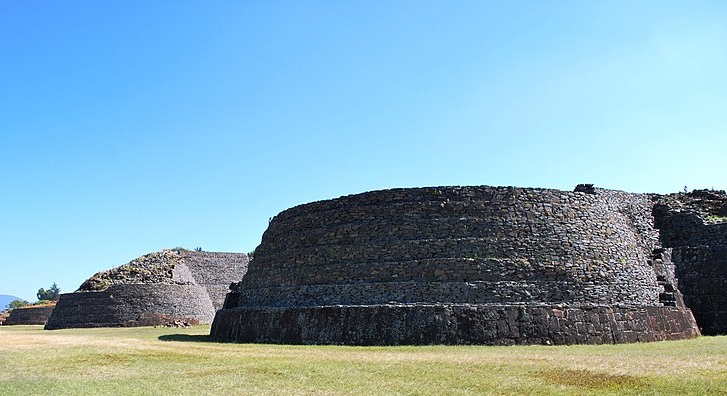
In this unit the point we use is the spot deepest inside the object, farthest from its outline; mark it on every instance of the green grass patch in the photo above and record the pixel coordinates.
(151, 361)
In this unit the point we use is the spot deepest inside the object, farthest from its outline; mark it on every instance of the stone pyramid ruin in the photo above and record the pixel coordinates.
(29, 315)
(154, 289)
(485, 265)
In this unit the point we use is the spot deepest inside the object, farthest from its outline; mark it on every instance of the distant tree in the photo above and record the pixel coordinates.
(17, 304)
(51, 294)
(198, 249)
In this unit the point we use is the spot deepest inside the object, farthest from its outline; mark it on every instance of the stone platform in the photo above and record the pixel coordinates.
(461, 265)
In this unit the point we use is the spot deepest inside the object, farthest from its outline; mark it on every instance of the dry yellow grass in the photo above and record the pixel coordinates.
(173, 361)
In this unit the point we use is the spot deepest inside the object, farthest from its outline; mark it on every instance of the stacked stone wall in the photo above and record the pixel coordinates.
(30, 315)
(154, 289)
(132, 305)
(452, 324)
(481, 246)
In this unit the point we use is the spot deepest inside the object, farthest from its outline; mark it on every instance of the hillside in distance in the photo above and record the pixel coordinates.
(5, 299)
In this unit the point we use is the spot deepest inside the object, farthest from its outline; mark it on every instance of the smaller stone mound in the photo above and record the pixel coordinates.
(30, 315)
(154, 289)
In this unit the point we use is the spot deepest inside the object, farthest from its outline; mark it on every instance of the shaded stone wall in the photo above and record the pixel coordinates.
(215, 271)
(693, 226)
(132, 305)
(702, 273)
(31, 315)
(477, 246)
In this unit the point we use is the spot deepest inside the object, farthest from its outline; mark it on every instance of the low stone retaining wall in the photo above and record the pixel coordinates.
(31, 315)
(423, 324)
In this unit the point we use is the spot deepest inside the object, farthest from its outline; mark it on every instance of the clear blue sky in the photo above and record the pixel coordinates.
(131, 126)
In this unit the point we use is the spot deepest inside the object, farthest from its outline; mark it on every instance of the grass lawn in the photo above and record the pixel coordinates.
(154, 361)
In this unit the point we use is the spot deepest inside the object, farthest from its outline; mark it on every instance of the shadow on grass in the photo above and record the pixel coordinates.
(186, 338)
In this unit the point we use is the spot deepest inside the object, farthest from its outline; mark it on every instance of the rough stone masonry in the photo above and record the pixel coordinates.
(154, 289)
(482, 265)
(29, 315)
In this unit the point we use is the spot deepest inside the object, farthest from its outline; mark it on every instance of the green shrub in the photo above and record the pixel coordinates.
(17, 304)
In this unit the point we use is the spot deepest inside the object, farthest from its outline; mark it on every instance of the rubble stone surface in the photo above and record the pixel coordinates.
(157, 288)
(472, 265)
(29, 315)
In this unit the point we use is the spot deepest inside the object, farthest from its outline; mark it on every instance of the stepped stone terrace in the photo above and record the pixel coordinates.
(484, 265)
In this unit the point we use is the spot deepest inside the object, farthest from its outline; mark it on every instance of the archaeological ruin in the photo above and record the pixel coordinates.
(155, 289)
(486, 265)
(29, 315)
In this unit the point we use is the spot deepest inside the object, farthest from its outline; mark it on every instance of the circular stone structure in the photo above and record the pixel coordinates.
(460, 265)
(154, 289)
